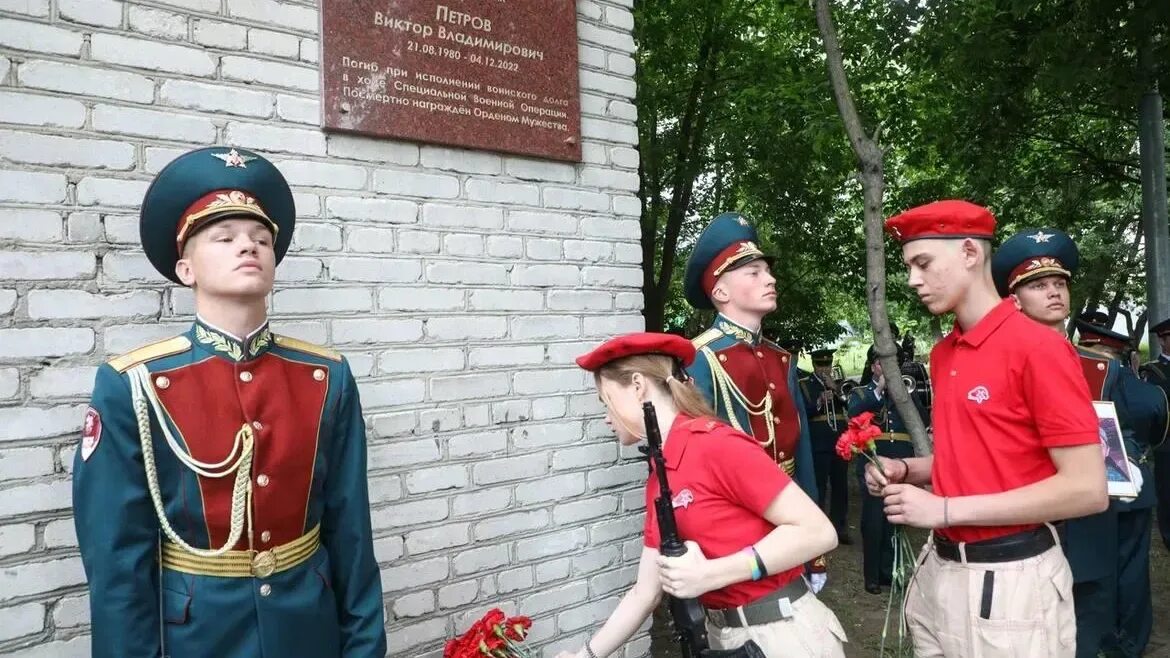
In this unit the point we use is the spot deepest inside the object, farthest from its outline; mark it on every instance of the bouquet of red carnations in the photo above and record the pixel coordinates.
(494, 635)
(857, 439)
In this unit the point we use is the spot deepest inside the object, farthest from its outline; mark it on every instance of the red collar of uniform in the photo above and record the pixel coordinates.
(676, 444)
(987, 325)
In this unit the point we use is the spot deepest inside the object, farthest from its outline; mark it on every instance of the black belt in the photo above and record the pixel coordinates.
(764, 610)
(1017, 546)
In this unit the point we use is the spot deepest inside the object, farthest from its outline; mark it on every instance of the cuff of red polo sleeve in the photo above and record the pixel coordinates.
(1069, 440)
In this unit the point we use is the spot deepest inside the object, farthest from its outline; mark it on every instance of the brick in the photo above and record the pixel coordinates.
(43, 341)
(55, 304)
(582, 510)
(511, 411)
(420, 360)
(31, 187)
(415, 574)
(84, 227)
(612, 325)
(588, 614)
(590, 56)
(103, 13)
(505, 355)
(128, 267)
(606, 532)
(21, 620)
(419, 299)
(418, 242)
(62, 381)
(460, 328)
(377, 330)
(220, 35)
(322, 300)
(207, 6)
(93, 191)
(433, 539)
(480, 443)
(545, 327)
(300, 270)
(505, 246)
(16, 539)
(276, 138)
(321, 174)
(28, 7)
(554, 599)
(584, 456)
(60, 534)
(308, 205)
(7, 301)
(34, 110)
(541, 222)
(506, 300)
(403, 453)
(615, 39)
(375, 269)
(559, 197)
(388, 549)
(427, 632)
(624, 277)
(462, 216)
(71, 611)
(539, 249)
(216, 98)
(391, 211)
(277, 44)
(619, 18)
(144, 54)
(552, 570)
(158, 23)
(514, 580)
(51, 150)
(546, 276)
(469, 387)
(467, 272)
(592, 153)
(511, 468)
(590, 10)
(628, 301)
(540, 170)
(547, 381)
(152, 123)
(610, 178)
(9, 382)
(37, 423)
(548, 408)
(623, 65)
(410, 513)
(630, 254)
(511, 524)
(560, 543)
(414, 605)
(298, 110)
(508, 193)
(119, 340)
(310, 50)
(481, 502)
(460, 160)
(121, 229)
(77, 647)
(38, 497)
(40, 38)
(373, 150)
(623, 156)
(405, 183)
(579, 300)
(463, 244)
(317, 237)
(292, 16)
(627, 205)
(547, 435)
(479, 560)
(550, 488)
(28, 225)
(372, 240)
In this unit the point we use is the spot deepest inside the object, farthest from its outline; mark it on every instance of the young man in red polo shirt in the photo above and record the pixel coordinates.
(1009, 458)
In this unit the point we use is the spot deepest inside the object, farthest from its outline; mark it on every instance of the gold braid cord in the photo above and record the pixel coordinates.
(726, 390)
(143, 391)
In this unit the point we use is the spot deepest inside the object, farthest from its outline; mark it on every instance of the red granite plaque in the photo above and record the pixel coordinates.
(499, 75)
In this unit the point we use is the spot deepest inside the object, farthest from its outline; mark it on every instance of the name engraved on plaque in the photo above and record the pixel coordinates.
(498, 75)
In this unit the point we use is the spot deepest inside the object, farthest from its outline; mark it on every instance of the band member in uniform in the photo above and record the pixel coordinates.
(746, 529)
(825, 408)
(1157, 372)
(1108, 552)
(992, 579)
(894, 443)
(219, 491)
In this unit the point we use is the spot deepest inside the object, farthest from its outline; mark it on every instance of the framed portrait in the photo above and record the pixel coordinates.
(1117, 473)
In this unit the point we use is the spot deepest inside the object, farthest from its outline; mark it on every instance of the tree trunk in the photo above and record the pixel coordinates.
(869, 156)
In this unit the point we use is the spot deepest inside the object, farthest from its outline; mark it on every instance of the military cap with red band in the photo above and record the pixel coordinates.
(1092, 334)
(640, 343)
(948, 219)
(207, 185)
(1033, 254)
(728, 242)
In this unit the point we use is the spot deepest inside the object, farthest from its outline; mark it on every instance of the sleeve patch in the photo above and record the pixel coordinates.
(91, 433)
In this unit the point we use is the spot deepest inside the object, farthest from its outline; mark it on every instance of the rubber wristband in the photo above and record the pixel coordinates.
(907, 465)
(760, 563)
(752, 562)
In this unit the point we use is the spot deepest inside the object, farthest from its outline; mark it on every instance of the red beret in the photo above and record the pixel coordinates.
(942, 219)
(639, 343)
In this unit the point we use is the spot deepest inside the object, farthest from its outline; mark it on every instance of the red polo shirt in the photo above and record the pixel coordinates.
(1004, 393)
(722, 483)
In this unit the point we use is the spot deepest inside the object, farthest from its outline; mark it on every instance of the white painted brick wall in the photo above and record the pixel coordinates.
(460, 284)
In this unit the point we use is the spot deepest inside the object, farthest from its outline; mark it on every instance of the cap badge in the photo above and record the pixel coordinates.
(1041, 236)
(233, 158)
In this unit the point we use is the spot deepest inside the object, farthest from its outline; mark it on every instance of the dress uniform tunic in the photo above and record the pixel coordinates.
(826, 421)
(1157, 372)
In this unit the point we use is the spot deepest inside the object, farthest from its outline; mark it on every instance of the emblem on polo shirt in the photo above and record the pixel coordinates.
(979, 394)
(683, 499)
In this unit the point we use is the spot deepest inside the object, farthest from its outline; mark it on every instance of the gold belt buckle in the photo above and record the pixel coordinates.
(263, 564)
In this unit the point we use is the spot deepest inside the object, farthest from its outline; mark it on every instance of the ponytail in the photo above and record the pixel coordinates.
(664, 372)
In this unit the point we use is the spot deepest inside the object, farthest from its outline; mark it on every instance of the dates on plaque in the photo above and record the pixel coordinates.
(498, 75)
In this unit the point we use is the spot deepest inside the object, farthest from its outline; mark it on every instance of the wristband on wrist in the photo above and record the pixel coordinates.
(760, 562)
(753, 562)
(906, 464)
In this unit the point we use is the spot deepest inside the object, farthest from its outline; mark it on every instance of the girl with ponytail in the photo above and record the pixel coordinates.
(748, 533)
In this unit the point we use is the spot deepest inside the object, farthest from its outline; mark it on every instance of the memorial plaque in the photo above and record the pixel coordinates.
(499, 75)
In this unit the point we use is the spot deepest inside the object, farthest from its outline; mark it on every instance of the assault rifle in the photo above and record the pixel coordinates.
(690, 627)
